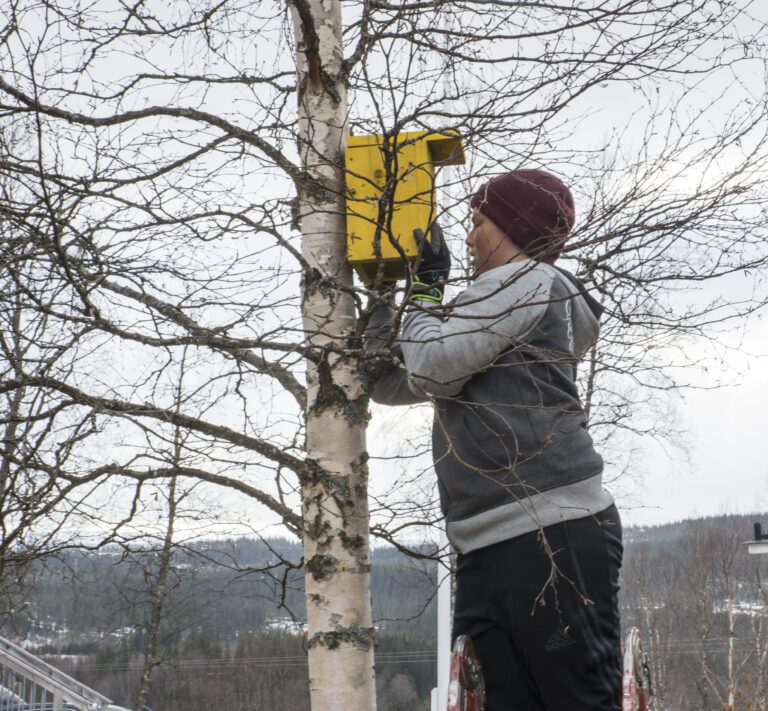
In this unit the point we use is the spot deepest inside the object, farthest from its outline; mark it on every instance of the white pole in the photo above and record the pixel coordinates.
(444, 571)
(444, 577)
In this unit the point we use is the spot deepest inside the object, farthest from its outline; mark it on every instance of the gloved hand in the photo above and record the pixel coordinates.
(433, 266)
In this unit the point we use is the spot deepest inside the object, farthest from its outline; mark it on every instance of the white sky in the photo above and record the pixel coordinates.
(722, 468)
(728, 434)
(728, 427)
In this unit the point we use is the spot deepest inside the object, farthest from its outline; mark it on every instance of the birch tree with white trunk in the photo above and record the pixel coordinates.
(173, 183)
(335, 490)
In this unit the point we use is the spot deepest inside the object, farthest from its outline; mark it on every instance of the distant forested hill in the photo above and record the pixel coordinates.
(233, 619)
(222, 589)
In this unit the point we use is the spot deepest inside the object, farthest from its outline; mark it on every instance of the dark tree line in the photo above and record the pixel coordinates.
(175, 300)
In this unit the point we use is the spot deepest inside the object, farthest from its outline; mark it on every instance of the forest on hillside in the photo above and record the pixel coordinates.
(233, 624)
(192, 249)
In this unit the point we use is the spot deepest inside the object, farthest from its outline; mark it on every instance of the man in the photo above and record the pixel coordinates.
(537, 536)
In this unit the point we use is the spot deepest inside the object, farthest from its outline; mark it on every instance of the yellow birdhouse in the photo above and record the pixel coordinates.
(390, 193)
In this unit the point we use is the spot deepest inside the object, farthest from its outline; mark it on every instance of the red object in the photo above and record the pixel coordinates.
(466, 689)
(533, 208)
(636, 689)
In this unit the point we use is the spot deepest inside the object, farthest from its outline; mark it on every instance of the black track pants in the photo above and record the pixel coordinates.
(548, 639)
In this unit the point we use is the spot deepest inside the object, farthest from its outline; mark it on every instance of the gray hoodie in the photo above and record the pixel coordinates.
(510, 442)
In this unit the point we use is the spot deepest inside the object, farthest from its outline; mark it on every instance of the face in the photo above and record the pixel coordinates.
(488, 246)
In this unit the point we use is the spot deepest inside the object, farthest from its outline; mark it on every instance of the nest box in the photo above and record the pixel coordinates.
(390, 193)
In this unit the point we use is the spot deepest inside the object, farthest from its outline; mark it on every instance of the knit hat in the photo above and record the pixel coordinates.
(532, 207)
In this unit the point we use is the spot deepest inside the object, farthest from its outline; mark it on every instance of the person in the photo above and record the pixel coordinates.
(538, 538)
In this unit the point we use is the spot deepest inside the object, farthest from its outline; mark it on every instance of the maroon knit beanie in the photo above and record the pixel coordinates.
(532, 207)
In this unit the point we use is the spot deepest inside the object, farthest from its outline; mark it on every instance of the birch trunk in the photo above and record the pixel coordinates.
(335, 507)
(731, 698)
(157, 602)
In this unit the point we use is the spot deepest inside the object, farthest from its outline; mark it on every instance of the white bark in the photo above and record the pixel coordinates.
(729, 547)
(158, 594)
(731, 690)
(335, 509)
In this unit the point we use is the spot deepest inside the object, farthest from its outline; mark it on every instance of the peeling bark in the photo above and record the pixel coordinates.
(334, 495)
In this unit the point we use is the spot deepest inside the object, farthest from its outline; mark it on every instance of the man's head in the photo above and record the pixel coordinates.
(530, 207)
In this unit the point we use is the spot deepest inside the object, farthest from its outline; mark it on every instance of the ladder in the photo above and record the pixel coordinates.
(27, 683)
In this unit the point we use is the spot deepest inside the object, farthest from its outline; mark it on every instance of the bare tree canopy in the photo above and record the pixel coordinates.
(173, 191)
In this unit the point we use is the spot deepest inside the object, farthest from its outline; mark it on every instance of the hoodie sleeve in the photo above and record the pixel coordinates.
(392, 386)
(443, 349)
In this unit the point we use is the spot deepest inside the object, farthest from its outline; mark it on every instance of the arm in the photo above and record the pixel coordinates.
(442, 351)
(391, 387)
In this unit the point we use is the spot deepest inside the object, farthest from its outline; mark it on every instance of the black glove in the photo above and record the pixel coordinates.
(433, 265)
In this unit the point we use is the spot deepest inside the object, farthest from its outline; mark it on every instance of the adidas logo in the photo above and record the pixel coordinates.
(558, 640)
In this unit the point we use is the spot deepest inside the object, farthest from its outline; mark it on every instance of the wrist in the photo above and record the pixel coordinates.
(427, 292)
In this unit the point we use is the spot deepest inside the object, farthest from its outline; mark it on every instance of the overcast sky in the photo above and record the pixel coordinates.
(728, 440)
(723, 467)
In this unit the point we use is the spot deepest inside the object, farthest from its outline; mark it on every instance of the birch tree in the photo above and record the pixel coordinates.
(176, 185)
(699, 597)
(334, 493)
